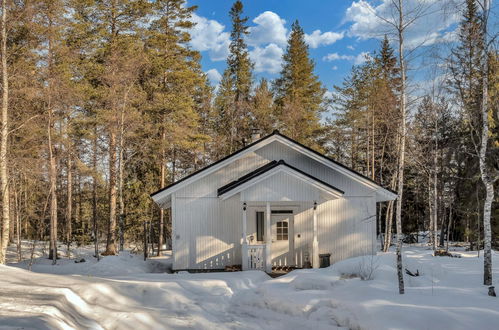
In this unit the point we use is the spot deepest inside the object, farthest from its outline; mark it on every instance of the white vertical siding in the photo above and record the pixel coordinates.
(207, 231)
(282, 187)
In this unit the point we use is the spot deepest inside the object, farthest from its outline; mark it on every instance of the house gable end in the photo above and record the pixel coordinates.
(205, 182)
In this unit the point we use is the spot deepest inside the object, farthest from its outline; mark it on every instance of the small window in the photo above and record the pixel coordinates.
(260, 226)
(282, 230)
(281, 212)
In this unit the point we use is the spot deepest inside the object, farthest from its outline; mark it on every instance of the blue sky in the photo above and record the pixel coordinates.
(339, 32)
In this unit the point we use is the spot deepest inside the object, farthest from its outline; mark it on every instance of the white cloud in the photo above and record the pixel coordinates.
(317, 38)
(267, 59)
(351, 47)
(436, 18)
(209, 35)
(269, 29)
(335, 57)
(334, 68)
(357, 60)
(214, 76)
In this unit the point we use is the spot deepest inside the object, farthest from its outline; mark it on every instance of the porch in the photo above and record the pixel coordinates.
(272, 198)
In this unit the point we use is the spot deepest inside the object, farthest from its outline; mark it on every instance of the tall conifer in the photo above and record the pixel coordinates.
(299, 93)
(234, 96)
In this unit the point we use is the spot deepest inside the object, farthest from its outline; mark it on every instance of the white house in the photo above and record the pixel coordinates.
(275, 202)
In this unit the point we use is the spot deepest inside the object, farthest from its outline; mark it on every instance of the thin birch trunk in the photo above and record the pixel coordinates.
(388, 226)
(4, 175)
(389, 219)
(403, 132)
(486, 178)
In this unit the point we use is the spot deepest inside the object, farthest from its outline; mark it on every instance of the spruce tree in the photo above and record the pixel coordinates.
(264, 118)
(234, 97)
(298, 91)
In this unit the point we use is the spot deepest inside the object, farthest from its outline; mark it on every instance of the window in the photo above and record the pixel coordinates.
(260, 225)
(282, 230)
(281, 212)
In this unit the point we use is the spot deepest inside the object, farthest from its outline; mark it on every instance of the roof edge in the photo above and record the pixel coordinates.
(266, 168)
(275, 132)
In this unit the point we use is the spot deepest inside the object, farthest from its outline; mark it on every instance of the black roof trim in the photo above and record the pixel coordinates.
(276, 132)
(265, 168)
(215, 163)
(334, 161)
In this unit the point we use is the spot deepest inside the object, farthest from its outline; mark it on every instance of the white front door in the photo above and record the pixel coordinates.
(282, 240)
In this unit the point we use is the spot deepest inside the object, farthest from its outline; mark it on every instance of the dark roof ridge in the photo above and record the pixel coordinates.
(265, 168)
(275, 132)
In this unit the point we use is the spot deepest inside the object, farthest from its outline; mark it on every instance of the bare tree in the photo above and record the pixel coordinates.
(4, 175)
(487, 177)
(400, 27)
(399, 19)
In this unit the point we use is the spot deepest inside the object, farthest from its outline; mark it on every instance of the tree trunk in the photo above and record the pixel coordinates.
(388, 226)
(17, 207)
(449, 226)
(94, 195)
(401, 163)
(486, 178)
(120, 179)
(4, 174)
(435, 205)
(53, 190)
(389, 219)
(111, 228)
(431, 233)
(161, 185)
(69, 198)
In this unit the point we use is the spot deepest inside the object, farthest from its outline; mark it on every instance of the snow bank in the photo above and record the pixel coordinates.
(358, 293)
(123, 264)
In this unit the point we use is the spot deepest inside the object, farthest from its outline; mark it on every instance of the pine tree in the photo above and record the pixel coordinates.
(298, 91)
(173, 80)
(58, 93)
(114, 20)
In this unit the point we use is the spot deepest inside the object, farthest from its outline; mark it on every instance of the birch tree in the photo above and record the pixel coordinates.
(4, 175)
(487, 177)
(399, 19)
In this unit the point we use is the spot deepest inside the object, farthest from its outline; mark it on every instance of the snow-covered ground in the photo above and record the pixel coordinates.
(124, 292)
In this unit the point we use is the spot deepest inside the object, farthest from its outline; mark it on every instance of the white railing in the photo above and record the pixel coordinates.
(256, 257)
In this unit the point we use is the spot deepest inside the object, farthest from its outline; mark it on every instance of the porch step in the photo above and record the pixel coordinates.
(234, 268)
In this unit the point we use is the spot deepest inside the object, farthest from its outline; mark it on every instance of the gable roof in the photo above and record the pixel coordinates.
(267, 168)
(267, 139)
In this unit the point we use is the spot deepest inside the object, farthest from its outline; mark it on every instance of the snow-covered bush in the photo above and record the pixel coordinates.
(367, 267)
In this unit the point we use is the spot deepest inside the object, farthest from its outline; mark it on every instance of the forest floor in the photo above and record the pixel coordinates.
(125, 292)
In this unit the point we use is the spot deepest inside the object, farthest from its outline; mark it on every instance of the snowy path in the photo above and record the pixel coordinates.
(121, 293)
(150, 301)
